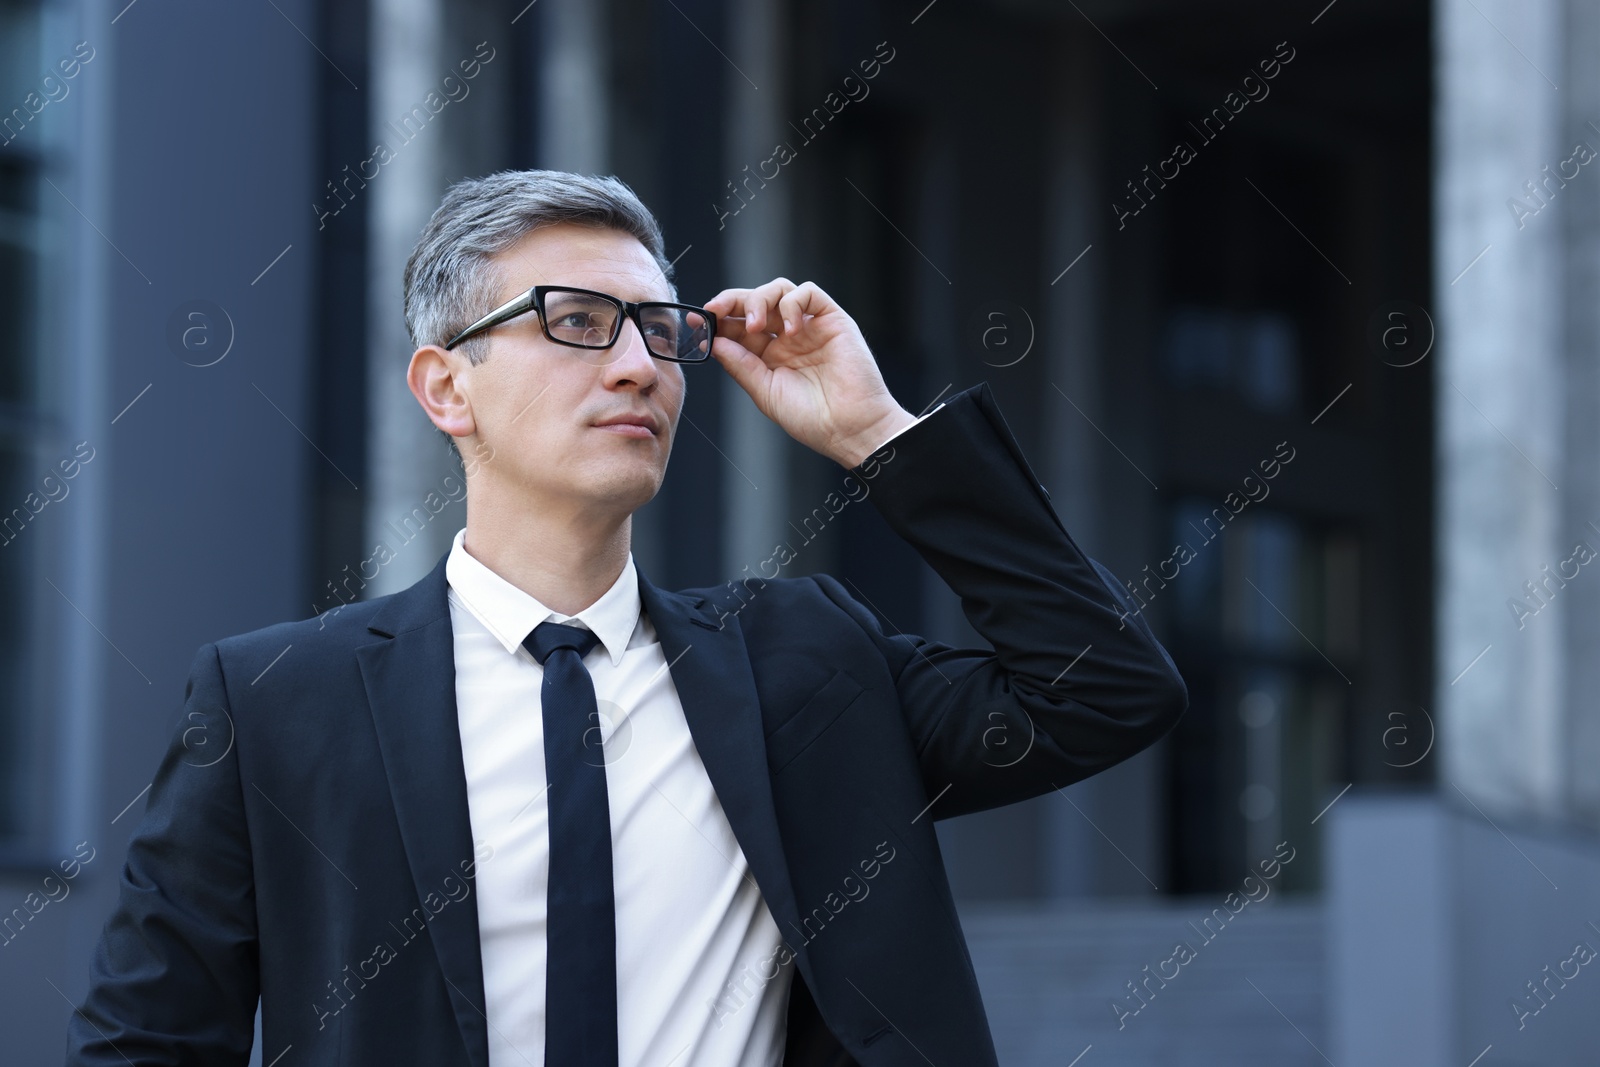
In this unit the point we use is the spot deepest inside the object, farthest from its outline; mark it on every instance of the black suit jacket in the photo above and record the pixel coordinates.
(312, 809)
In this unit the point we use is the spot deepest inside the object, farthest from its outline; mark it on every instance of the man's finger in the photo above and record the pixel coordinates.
(728, 304)
(743, 366)
(755, 313)
(795, 304)
(762, 303)
(736, 329)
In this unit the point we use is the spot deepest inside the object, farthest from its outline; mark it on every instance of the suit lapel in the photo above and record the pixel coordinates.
(410, 683)
(710, 669)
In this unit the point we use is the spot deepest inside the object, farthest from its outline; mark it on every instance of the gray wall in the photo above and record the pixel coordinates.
(193, 170)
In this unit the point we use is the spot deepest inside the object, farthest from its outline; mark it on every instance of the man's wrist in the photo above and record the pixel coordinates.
(868, 441)
(908, 426)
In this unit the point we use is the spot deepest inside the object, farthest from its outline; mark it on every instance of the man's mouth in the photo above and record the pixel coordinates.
(629, 425)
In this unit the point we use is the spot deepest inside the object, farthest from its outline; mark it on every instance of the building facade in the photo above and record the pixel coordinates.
(1292, 311)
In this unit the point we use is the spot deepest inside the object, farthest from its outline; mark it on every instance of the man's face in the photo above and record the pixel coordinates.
(538, 405)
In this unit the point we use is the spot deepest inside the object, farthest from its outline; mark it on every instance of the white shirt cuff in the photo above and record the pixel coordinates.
(906, 427)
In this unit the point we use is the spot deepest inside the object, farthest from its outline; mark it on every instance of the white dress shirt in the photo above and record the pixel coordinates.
(690, 918)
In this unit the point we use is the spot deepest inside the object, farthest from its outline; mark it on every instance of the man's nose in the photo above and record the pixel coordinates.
(631, 358)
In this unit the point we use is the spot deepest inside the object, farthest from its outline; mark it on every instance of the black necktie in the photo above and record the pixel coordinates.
(580, 992)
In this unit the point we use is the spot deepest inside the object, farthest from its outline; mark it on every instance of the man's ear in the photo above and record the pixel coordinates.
(432, 377)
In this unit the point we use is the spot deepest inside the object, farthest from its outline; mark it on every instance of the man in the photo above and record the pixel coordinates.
(534, 809)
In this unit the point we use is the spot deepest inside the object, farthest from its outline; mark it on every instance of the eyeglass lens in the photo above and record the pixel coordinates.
(591, 321)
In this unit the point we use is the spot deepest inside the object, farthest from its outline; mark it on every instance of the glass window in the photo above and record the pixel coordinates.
(1264, 611)
(1254, 355)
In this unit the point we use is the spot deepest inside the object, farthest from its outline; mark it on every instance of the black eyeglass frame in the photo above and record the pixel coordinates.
(533, 300)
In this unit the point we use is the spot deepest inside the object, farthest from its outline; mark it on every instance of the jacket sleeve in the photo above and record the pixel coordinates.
(174, 978)
(1076, 681)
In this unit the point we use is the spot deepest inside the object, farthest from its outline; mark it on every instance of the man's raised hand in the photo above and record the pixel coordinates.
(807, 367)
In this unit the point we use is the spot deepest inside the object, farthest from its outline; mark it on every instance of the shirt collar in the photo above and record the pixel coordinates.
(511, 614)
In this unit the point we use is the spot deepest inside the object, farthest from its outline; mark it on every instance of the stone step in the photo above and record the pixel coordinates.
(1050, 974)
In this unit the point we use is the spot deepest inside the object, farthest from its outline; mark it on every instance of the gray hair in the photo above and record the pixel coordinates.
(449, 282)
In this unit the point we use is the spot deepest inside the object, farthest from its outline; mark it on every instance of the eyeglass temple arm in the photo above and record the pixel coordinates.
(513, 307)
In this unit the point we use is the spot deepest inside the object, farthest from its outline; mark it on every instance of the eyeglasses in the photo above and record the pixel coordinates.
(583, 318)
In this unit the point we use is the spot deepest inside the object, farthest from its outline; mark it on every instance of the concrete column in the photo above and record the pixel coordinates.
(574, 88)
(756, 249)
(1579, 214)
(415, 45)
(407, 456)
(1068, 342)
(1506, 478)
(1073, 274)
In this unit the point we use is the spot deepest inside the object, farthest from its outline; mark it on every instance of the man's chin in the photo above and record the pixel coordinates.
(632, 487)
